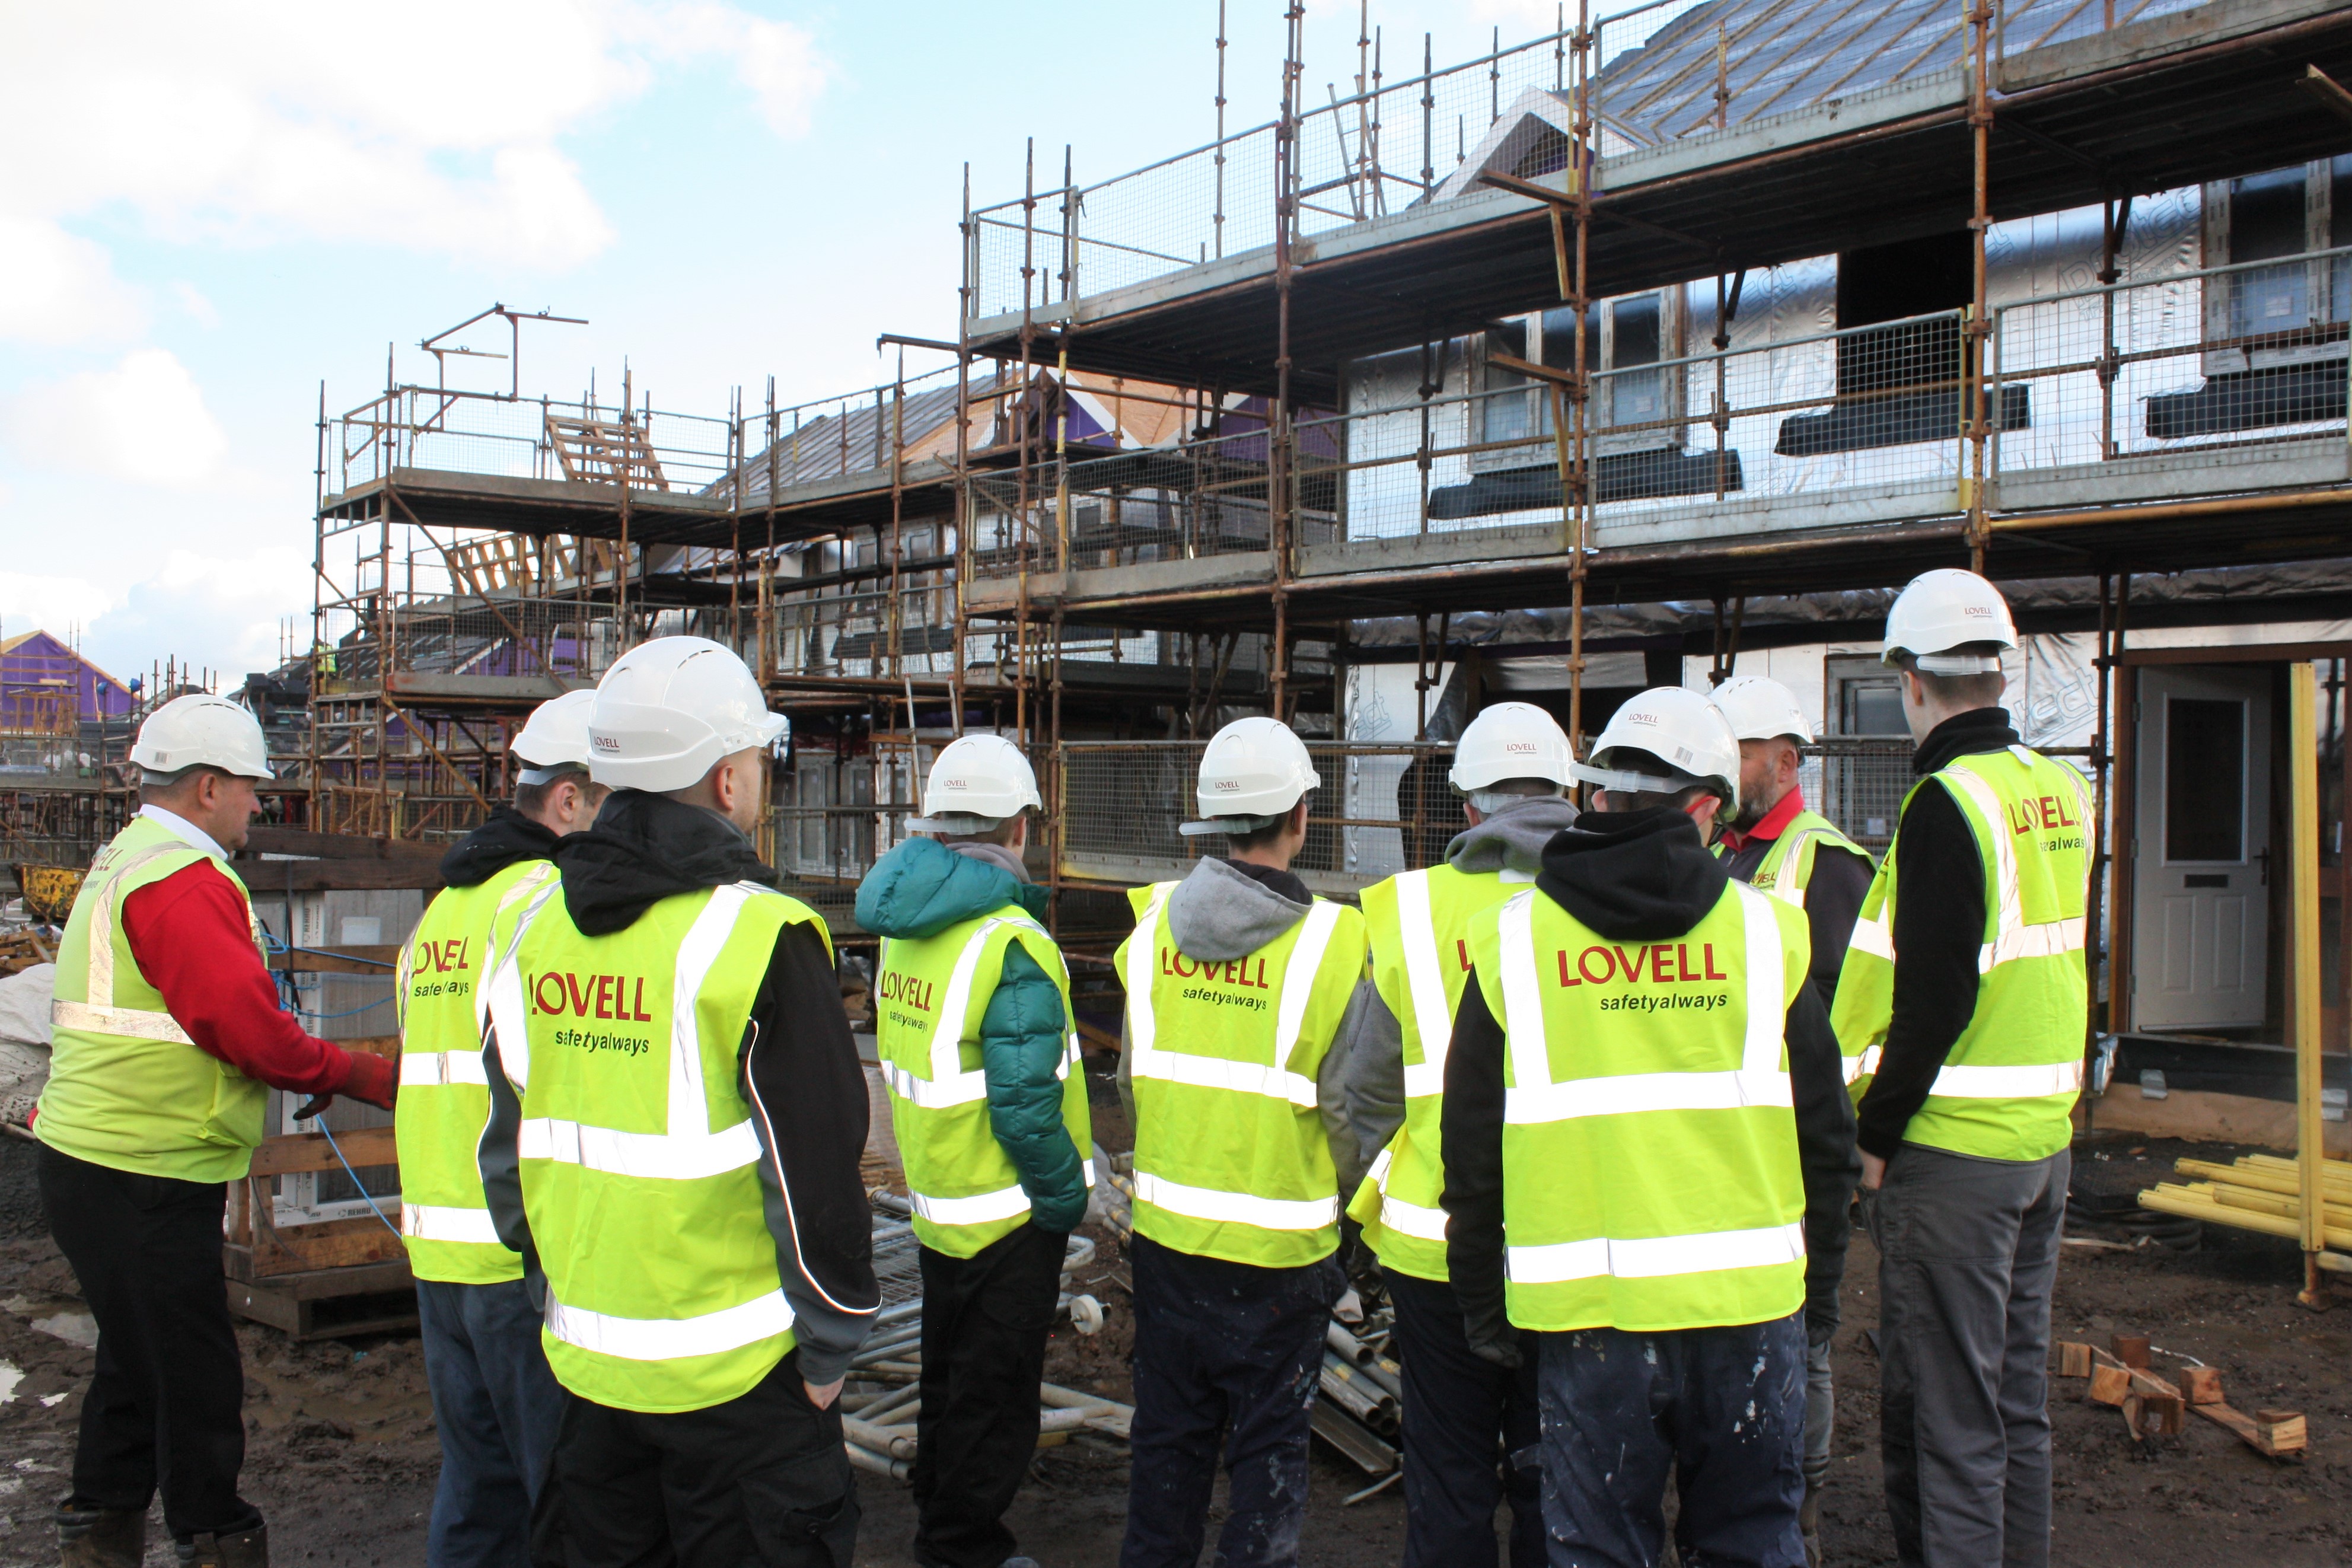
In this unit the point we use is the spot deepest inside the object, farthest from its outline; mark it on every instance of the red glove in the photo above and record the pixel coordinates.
(373, 1079)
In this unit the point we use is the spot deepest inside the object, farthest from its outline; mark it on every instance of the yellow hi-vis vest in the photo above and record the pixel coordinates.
(639, 1160)
(931, 994)
(1418, 923)
(128, 1089)
(2007, 1090)
(1229, 1155)
(445, 1098)
(1787, 867)
(1650, 1169)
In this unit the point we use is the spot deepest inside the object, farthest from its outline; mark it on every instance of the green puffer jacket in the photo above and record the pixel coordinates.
(923, 887)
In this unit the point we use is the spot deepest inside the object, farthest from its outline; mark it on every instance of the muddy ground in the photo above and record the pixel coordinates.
(342, 1452)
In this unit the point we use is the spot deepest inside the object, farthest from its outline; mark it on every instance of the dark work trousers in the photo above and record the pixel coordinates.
(165, 1408)
(1967, 1255)
(985, 1319)
(1472, 1436)
(496, 1406)
(1223, 1352)
(1721, 1410)
(762, 1478)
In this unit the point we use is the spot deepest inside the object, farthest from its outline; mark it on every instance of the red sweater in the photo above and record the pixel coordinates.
(189, 933)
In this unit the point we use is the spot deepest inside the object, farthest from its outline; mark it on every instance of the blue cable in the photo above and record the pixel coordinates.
(354, 1175)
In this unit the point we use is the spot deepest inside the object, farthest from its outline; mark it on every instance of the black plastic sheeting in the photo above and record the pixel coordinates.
(1897, 421)
(2250, 400)
(1616, 475)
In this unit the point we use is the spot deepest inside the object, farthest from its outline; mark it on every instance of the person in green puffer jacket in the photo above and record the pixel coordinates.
(979, 1052)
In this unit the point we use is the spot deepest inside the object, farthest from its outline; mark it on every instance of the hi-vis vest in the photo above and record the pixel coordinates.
(931, 996)
(2007, 1091)
(128, 1088)
(1787, 867)
(1649, 1171)
(445, 1099)
(1230, 1156)
(1419, 925)
(639, 1160)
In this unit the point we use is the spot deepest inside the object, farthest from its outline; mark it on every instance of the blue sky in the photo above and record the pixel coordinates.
(231, 203)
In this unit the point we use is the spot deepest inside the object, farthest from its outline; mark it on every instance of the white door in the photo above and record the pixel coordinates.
(2201, 850)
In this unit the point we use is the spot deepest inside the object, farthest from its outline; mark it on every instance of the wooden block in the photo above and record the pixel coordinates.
(2153, 1415)
(2201, 1384)
(292, 1151)
(2148, 1383)
(2074, 1359)
(2130, 1349)
(2109, 1385)
(2284, 1430)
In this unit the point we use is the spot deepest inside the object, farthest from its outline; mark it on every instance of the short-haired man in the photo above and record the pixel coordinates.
(1781, 845)
(1647, 1142)
(1461, 1411)
(1237, 978)
(1964, 1010)
(979, 1052)
(169, 1038)
(494, 1403)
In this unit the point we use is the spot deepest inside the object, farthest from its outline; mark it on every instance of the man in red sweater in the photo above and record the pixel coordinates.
(168, 1038)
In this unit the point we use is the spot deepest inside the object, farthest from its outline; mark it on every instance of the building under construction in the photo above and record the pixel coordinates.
(1667, 343)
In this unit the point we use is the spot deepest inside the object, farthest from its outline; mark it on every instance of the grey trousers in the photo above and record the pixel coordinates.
(1820, 1413)
(1968, 1256)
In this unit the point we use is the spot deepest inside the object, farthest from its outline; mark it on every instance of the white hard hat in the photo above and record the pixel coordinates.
(197, 731)
(976, 782)
(1943, 609)
(1678, 727)
(1510, 741)
(668, 711)
(554, 739)
(1760, 708)
(1253, 772)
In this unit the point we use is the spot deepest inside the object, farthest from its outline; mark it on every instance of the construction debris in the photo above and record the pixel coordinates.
(2154, 1407)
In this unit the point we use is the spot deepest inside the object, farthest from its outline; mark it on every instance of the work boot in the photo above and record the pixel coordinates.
(245, 1549)
(102, 1537)
(1808, 1519)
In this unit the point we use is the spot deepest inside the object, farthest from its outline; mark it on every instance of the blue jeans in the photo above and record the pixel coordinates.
(1722, 1409)
(496, 1405)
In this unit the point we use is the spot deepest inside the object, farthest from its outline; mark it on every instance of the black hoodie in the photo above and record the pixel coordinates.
(799, 1066)
(1640, 876)
(507, 837)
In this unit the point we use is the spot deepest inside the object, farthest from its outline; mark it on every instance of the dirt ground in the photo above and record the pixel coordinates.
(341, 1455)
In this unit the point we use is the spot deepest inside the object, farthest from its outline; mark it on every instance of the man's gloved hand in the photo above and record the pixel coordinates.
(1498, 1343)
(373, 1079)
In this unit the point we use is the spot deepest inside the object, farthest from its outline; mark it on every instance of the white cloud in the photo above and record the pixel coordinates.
(143, 421)
(257, 120)
(58, 288)
(199, 309)
(29, 601)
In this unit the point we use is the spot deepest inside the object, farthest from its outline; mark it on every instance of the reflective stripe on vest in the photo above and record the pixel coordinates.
(435, 1222)
(99, 1014)
(948, 1084)
(1237, 1209)
(671, 1339)
(1415, 1220)
(1145, 1059)
(433, 1070)
(2012, 938)
(1656, 1256)
(1417, 933)
(1533, 1098)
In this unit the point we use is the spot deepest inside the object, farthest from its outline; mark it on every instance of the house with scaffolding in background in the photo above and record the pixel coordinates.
(1666, 344)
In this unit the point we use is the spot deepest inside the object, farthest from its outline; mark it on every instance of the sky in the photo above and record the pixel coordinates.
(211, 212)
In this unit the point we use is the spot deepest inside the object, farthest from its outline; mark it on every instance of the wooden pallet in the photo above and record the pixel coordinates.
(329, 1303)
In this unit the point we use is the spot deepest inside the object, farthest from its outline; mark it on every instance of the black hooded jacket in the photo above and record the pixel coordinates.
(1645, 876)
(799, 1068)
(1937, 938)
(507, 837)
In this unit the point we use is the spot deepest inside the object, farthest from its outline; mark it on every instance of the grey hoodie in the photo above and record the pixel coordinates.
(1219, 913)
(1512, 840)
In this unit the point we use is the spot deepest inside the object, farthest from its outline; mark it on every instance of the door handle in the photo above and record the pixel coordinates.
(2264, 854)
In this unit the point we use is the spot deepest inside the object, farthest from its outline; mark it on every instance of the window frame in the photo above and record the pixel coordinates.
(2215, 226)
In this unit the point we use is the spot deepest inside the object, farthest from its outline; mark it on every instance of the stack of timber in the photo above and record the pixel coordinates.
(294, 860)
(2258, 1192)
